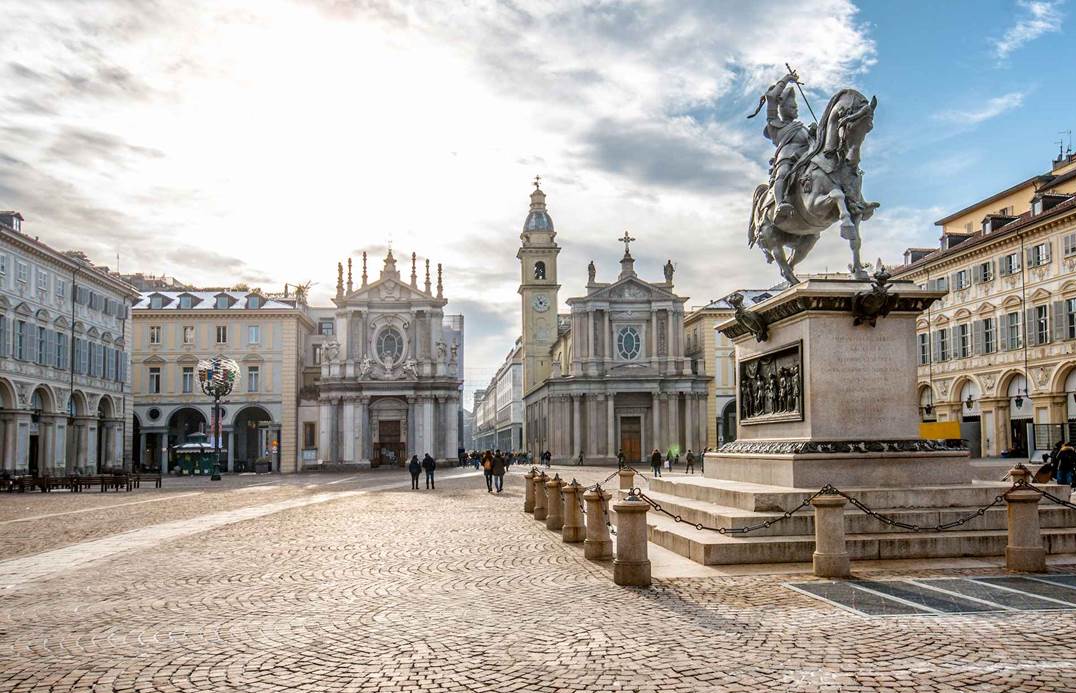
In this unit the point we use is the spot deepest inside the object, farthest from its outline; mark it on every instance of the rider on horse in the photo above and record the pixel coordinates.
(791, 137)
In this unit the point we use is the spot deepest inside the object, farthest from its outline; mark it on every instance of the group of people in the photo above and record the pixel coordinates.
(494, 465)
(428, 464)
(672, 458)
(1060, 465)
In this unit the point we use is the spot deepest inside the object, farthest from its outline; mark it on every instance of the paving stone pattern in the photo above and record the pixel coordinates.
(458, 590)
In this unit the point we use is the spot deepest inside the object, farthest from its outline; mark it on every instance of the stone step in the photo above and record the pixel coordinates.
(856, 521)
(711, 548)
(762, 498)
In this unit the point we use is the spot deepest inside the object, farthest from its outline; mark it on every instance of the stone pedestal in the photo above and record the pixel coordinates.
(825, 400)
(597, 546)
(554, 518)
(528, 491)
(627, 479)
(830, 552)
(573, 530)
(540, 510)
(1024, 551)
(631, 567)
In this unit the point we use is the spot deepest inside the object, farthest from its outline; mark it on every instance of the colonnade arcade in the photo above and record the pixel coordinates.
(601, 424)
(39, 438)
(1002, 403)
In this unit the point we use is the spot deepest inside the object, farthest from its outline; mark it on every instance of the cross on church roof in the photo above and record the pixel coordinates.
(627, 239)
(537, 182)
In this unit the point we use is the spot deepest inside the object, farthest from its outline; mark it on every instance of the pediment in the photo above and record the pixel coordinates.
(153, 360)
(387, 289)
(985, 308)
(631, 289)
(1011, 302)
(1040, 294)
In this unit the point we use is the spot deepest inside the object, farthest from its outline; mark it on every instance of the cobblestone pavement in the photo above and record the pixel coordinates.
(458, 590)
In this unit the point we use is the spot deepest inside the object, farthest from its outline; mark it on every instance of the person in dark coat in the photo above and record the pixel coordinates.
(415, 467)
(487, 469)
(500, 466)
(430, 465)
(655, 462)
(1066, 464)
(690, 462)
(620, 459)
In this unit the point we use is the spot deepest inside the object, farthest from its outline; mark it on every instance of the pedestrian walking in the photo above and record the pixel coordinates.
(655, 462)
(487, 469)
(620, 459)
(579, 460)
(500, 466)
(415, 467)
(548, 458)
(690, 462)
(1066, 464)
(430, 465)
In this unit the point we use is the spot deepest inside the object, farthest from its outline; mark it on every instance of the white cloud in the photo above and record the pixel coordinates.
(990, 108)
(1038, 17)
(223, 140)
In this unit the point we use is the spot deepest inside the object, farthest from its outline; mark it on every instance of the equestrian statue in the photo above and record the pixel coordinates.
(815, 178)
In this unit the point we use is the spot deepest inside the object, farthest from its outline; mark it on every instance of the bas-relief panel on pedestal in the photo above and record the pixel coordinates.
(771, 386)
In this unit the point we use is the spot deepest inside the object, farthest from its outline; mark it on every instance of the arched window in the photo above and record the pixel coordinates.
(390, 346)
(539, 270)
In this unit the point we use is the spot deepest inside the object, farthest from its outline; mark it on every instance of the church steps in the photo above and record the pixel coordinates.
(711, 548)
(856, 522)
(762, 498)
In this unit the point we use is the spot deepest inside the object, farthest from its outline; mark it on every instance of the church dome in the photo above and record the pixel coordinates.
(538, 218)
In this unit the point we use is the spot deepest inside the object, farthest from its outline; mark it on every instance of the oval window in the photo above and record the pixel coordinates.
(628, 343)
(390, 346)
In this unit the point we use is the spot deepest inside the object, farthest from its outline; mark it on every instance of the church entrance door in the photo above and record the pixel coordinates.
(390, 451)
(631, 438)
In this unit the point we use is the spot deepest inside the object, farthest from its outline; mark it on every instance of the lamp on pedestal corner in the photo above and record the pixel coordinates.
(216, 376)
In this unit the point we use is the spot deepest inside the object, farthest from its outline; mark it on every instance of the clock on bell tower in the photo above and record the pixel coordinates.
(538, 288)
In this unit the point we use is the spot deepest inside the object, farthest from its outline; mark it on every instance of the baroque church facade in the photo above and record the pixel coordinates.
(611, 375)
(390, 375)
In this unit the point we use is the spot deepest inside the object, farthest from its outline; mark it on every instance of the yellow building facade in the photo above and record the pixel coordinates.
(998, 352)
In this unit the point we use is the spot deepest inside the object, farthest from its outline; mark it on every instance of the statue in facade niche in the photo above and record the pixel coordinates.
(410, 368)
(452, 353)
(332, 351)
(815, 178)
(442, 352)
(366, 364)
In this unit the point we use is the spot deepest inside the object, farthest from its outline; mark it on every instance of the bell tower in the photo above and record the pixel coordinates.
(538, 288)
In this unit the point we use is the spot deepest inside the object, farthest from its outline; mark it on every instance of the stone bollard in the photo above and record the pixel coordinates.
(1024, 552)
(554, 504)
(528, 491)
(830, 551)
(597, 546)
(631, 567)
(573, 530)
(627, 479)
(540, 509)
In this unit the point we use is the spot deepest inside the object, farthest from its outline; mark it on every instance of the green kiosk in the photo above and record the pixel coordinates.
(195, 457)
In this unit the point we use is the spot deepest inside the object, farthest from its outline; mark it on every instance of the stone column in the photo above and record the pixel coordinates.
(360, 429)
(141, 446)
(573, 531)
(689, 425)
(347, 454)
(412, 431)
(5, 460)
(610, 423)
(20, 444)
(540, 496)
(1024, 551)
(325, 431)
(597, 546)
(593, 406)
(631, 567)
(44, 446)
(653, 337)
(554, 503)
(577, 426)
(427, 428)
(590, 335)
(674, 420)
(528, 491)
(669, 336)
(655, 417)
(453, 433)
(830, 552)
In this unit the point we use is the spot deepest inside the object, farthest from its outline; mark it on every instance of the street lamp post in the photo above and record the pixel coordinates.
(216, 376)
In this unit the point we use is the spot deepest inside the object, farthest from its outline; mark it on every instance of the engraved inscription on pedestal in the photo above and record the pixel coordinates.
(771, 386)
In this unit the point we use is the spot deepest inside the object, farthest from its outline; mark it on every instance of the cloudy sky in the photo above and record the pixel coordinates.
(263, 141)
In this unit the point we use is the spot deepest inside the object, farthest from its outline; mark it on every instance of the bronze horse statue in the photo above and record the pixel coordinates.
(824, 187)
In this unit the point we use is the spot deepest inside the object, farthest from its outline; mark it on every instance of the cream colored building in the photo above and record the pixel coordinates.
(267, 336)
(712, 353)
(999, 351)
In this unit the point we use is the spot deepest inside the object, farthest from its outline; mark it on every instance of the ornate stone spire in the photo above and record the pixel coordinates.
(427, 275)
(414, 272)
(389, 270)
(440, 289)
(364, 268)
(538, 218)
(349, 284)
(627, 263)
(339, 280)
